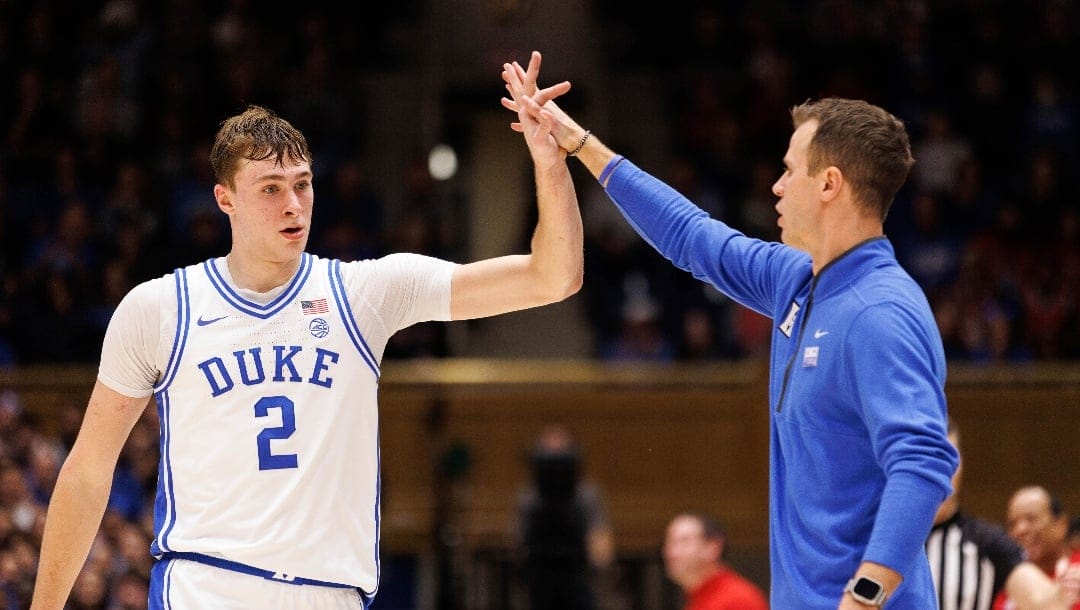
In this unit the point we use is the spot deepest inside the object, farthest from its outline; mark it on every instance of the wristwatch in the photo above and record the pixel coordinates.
(866, 590)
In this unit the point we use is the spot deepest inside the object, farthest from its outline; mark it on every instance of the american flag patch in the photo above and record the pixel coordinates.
(314, 307)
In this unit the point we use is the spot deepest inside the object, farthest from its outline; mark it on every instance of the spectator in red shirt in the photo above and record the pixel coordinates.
(1036, 519)
(694, 559)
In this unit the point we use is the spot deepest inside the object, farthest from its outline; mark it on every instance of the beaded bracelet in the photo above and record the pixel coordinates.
(580, 144)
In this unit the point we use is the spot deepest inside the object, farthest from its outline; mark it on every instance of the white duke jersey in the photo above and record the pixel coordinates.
(269, 418)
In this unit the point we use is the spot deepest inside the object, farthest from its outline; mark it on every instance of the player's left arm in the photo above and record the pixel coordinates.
(554, 268)
(551, 272)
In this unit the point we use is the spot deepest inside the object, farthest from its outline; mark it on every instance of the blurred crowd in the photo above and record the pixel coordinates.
(985, 224)
(106, 124)
(105, 133)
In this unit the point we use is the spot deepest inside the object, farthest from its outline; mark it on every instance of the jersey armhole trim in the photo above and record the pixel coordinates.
(337, 285)
(183, 322)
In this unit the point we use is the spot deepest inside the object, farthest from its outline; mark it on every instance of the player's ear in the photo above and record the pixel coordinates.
(223, 198)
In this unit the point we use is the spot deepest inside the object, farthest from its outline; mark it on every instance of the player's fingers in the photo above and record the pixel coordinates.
(529, 105)
(521, 74)
(549, 93)
(534, 69)
(513, 80)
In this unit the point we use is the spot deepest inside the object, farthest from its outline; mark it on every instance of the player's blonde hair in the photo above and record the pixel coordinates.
(255, 134)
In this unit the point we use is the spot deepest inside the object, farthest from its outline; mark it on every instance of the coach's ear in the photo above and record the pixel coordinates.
(831, 181)
(224, 201)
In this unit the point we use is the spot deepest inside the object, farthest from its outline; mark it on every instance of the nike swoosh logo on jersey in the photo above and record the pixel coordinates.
(202, 322)
(820, 333)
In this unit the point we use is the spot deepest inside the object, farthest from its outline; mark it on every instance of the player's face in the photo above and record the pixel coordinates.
(797, 190)
(270, 209)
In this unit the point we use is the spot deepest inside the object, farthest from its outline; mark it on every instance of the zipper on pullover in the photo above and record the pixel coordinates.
(798, 343)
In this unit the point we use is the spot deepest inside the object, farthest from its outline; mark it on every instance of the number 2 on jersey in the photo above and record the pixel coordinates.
(267, 460)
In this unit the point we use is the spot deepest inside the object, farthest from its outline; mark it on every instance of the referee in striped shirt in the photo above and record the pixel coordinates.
(973, 560)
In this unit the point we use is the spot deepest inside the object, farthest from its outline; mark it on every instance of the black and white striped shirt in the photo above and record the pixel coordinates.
(970, 560)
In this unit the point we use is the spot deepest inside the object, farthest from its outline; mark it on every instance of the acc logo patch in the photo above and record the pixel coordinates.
(319, 328)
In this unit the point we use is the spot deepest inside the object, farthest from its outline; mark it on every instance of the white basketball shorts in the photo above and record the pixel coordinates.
(181, 584)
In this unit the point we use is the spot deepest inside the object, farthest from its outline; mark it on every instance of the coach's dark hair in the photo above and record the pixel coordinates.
(869, 145)
(255, 134)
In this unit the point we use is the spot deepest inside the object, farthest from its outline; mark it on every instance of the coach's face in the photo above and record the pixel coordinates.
(799, 192)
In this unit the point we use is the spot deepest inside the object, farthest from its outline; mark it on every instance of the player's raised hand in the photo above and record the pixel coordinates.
(526, 98)
(521, 84)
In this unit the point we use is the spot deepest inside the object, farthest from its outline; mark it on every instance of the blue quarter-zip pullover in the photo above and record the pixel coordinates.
(859, 458)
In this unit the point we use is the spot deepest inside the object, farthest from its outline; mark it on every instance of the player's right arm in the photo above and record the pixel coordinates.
(81, 493)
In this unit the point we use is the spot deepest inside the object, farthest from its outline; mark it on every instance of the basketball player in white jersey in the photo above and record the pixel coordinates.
(264, 365)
